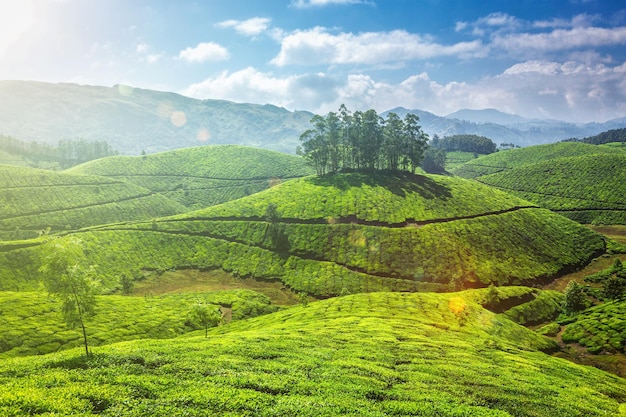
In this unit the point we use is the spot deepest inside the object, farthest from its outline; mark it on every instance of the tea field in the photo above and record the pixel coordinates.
(378, 354)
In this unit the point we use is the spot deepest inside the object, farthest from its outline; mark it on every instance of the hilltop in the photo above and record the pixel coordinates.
(39, 201)
(350, 232)
(370, 355)
(201, 176)
(586, 183)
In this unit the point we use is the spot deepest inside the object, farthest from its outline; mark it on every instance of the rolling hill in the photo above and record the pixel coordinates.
(379, 354)
(357, 232)
(586, 183)
(201, 176)
(35, 201)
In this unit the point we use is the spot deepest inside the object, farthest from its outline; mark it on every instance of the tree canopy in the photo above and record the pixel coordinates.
(465, 143)
(363, 140)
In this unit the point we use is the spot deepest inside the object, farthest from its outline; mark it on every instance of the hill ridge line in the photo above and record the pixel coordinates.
(198, 176)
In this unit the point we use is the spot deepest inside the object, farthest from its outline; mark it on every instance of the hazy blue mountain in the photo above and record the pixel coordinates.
(509, 128)
(133, 120)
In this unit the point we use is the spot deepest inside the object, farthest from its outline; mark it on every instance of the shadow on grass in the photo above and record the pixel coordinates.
(397, 182)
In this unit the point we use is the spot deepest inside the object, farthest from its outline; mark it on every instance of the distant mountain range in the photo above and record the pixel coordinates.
(133, 120)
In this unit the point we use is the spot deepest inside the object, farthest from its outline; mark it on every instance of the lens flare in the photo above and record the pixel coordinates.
(457, 305)
(203, 135)
(178, 118)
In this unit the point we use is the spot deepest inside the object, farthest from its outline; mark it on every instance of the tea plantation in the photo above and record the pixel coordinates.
(36, 201)
(346, 233)
(201, 176)
(378, 354)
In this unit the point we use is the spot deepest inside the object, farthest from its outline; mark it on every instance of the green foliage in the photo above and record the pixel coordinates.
(502, 161)
(575, 299)
(583, 182)
(434, 160)
(363, 233)
(601, 328)
(34, 200)
(30, 323)
(66, 154)
(465, 143)
(363, 140)
(614, 135)
(201, 176)
(68, 275)
(368, 355)
(206, 315)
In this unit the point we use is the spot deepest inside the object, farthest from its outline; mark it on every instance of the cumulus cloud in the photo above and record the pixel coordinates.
(319, 46)
(250, 85)
(571, 91)
(302, 4)
(204, 51)
(249, 27)
(561, 39)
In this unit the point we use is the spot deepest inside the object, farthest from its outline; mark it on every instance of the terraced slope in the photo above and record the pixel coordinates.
(382, 354)
(588, 189)
(37, 200)
(346, 233)
(202, 176)
(513, 158)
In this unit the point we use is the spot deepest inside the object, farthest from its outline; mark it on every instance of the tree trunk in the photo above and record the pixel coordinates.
(85, 337)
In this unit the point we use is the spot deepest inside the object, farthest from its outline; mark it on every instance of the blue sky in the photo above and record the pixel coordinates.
(536, 58)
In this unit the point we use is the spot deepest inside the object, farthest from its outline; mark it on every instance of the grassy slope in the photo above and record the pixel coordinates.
(34, 199)
(346, 233)
(202, 176)
(601, 328)
(380, 354)
(586, 188)
(503, 160)
(31, 323)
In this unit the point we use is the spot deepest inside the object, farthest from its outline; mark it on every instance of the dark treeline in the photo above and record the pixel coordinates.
(464, 143)
(615, 135)
(67, 153)
(363, 140)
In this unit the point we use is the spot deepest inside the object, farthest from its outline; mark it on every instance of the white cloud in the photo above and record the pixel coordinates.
(249, 27)
(569, 91)
(205, 51)
(250, 85)
(561, 39)
(301, 4)
(318, 46)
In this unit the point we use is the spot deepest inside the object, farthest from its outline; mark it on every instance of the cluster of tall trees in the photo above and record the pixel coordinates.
(363, 140)
(464, 143)
(67, 153)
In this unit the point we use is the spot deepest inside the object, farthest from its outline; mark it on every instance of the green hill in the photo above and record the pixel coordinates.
(381, 354)
(37, 200)
(344, 233)
(513, 158)
(31, 322)
(588, 189)
(202, 176)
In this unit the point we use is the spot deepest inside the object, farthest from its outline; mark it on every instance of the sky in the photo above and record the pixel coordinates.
(543, 59)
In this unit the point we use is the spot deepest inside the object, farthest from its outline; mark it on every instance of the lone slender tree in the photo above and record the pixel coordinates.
(68, 276)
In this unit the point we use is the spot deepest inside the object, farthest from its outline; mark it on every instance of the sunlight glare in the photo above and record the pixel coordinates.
(457, 305)
(16, 19)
